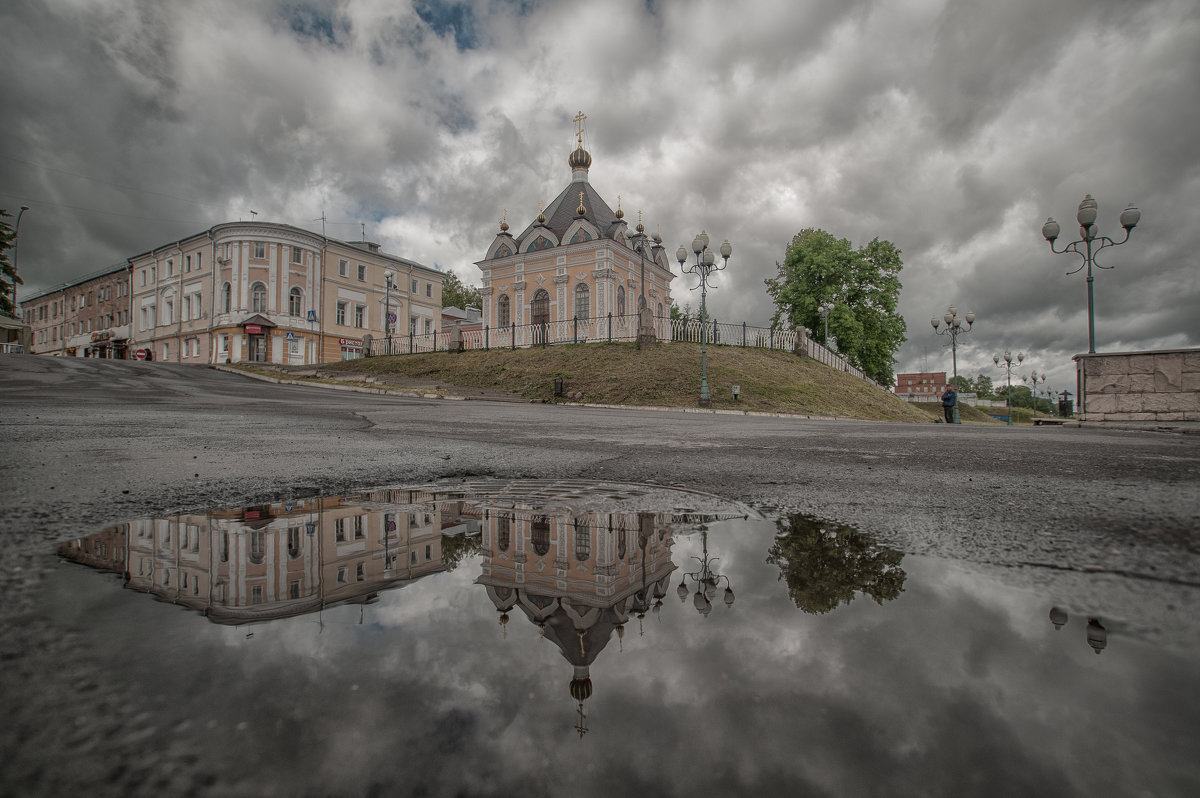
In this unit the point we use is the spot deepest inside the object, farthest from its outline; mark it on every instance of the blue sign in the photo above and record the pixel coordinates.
(391, 318)
(312, 315)
(291, 336)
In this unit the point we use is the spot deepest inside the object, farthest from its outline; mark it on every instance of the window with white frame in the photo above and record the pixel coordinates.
(362, 272)
(428, 326)
(295, 302)
(260, 250)
(429, 289)
(583, 301)
(342, 266)
(341, 313)
(226, 298)
(186, 308)
(297, 255)
(413, 289)
(258, 298)
(360, 312)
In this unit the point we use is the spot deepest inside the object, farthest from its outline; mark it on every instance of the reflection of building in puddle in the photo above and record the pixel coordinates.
(277, 560)
(1097, 634)
(579, 560)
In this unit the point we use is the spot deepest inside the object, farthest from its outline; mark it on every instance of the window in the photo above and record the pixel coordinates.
(339, 530)
(258, 298)
(342, 268)
(341, 313)
(293, 542)
(503, 532)
(620, 300)
(539, 307)
(362, 272)
(359, 312)
(187, 263)
(359, 532)
(295, 302)
(342, 575)
(428, 326)
(504, 311)
(224, 343)
(168, 312)
(154, 274)
(428, 552)
(226, 297)
(297, 255)
(583, 541)
(583, 297)
(166, 351)
(429, 289)
(170, 267)
(143, 276)
(187, 308)
(294, 589)
(360, 572)
(260, 250)
(539, 528)
(413, 289)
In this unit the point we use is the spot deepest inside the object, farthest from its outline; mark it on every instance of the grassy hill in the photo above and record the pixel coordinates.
(666, 375)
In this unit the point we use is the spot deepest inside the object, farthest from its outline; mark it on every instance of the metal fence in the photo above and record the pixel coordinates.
(612, 328)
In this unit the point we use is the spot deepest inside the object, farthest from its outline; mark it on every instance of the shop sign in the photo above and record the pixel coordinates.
(350, 343)
(253, 329)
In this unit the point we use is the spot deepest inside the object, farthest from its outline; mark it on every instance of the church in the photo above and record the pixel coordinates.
(576, 264)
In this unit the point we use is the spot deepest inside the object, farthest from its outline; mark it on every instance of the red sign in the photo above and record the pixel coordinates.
(253, 329)
(140, 354)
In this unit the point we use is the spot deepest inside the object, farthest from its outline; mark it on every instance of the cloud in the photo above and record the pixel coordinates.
(950, 129)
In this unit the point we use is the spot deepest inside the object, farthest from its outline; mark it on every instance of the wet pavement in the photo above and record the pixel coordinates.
(897, 590)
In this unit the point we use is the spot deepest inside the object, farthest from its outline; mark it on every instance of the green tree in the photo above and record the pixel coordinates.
(825, 565)
(982, 386)
(864, 286)
(456, 294)
(961, 384)
(9, 278)
(456, 548)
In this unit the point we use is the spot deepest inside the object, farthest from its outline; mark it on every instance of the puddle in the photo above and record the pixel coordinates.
(489, 638)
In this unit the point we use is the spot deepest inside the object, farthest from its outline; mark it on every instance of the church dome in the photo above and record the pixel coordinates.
(580, 158)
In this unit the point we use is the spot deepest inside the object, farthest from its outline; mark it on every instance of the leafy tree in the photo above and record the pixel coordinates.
(825, 565)
(982, 386)
(8, 275)
(864, 286)
(961, 384)
(456, 294)
(456, 548)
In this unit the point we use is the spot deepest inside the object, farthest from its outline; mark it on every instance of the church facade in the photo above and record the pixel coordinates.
(577, 263)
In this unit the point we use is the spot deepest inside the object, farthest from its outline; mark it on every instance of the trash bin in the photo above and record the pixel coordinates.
(1066, 408)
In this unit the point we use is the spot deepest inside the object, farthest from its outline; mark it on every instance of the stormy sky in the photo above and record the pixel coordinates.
(952, 129)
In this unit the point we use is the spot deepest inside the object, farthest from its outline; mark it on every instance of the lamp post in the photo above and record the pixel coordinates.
(1008, 360)
(704, 266)
(1032, 381)
(387, 308)
(825, 309)
(16, 253)
(706, 580)
(1088, 246)
(954, 329)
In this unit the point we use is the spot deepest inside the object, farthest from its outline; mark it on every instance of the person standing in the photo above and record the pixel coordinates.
(949, 400)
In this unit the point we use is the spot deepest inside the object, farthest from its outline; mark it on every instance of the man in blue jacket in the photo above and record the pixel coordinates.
(949, 400)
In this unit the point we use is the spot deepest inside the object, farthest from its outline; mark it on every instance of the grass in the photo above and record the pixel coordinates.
(664, 375)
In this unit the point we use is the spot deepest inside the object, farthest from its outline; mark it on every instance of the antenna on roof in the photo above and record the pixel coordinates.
(364, 228)
(322, 221)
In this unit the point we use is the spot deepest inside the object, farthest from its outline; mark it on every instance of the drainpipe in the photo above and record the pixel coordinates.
(319, 290)
(179, 323)
(212, 313)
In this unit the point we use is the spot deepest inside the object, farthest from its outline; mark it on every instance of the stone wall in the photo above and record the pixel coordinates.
(1139, 386)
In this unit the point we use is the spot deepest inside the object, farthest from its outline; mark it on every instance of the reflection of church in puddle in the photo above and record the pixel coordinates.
(1097, 635)
(578, 578)
(276, 560)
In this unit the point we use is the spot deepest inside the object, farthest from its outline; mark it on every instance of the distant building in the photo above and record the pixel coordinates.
(575, 263)
(921, 385)
(88, 317)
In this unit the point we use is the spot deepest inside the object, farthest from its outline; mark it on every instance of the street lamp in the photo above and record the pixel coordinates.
(706, 580)
(954, 328)
(387, 308)
(825, 310)
(16, 253)
(1091, 242)
(1032, 381)
(704, 266)
(1008, 359)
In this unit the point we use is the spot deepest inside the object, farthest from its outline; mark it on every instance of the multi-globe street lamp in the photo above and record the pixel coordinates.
(1032, 381)
(16, 248)
(1008, 363)
(954, 328)
(388, 276)
(704, 267)
(825, 309)
(1088, 246)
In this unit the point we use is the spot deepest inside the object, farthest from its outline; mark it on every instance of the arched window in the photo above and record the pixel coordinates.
(258, 298)
(539, 308)
(503, 532)
(583, 541)
(583, 301)
(258, 546)
(503, 311)
(660, 310)
(540, 535)
(226, 298)
(295, 302)
(621, 543)
(620, 300)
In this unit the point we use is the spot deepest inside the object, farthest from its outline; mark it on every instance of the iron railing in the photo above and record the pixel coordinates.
(612, 328)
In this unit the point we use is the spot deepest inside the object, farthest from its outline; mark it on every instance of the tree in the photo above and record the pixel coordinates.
(824, 565)
(456, 548)
(9, 278)
(864, 286)
(456, 294)
(982, 386)
(961, 384)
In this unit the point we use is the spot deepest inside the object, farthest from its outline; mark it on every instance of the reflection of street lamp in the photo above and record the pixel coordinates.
(1032, 381)
(825, 310)
(954, 328)
(1008, 367)
(706, 580)
(705, 265)
(387, 308)
(1089, 235)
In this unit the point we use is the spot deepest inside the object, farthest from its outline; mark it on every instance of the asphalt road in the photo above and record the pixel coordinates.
(1103, 521)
